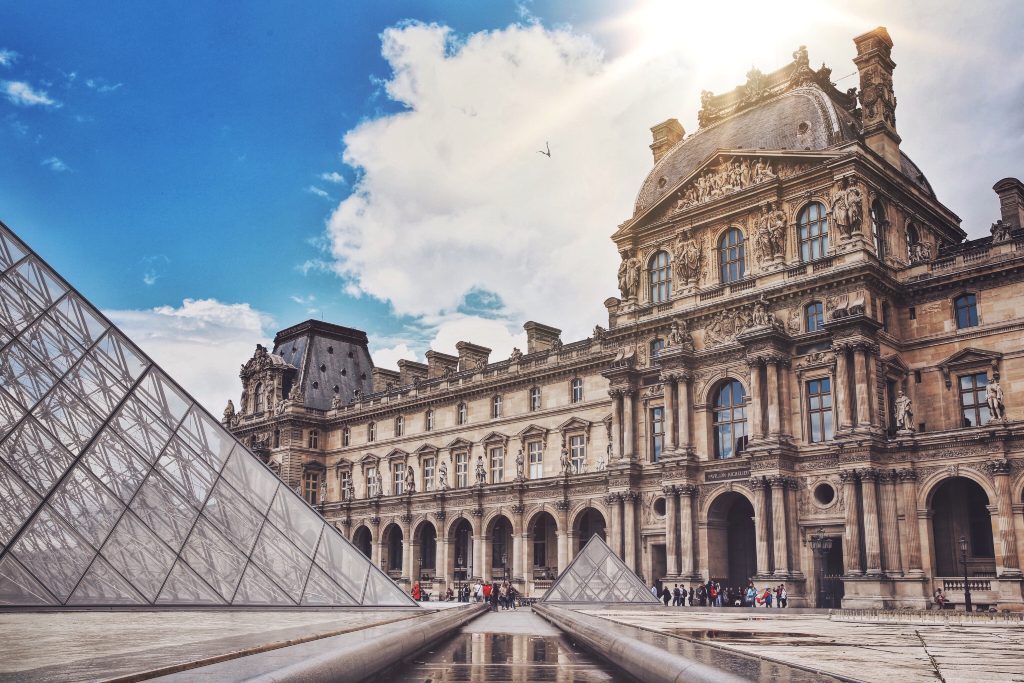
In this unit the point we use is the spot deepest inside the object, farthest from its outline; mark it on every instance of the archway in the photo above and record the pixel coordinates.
(363, 540)
(391, 549)
(424, 548)
(732, 547)
(460, 539)
(589, 523)
(500, 536)
(543, 548)
(960, 510)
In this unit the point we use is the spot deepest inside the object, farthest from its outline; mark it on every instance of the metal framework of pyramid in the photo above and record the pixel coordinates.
(117, 488)
(597, 575)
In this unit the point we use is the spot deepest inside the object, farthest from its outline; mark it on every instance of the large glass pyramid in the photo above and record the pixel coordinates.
(116, 488)
(595, 575)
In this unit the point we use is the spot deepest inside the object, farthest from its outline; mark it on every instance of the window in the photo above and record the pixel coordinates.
(257, 398)
(346, 436)
(428, 474)
(660, 274)
(913, 238)
(462, 470)
(730, 255)
(534, 398)
(346, 483)
(885, 316)
(371, 432)
(497, 465)
(399, 426)
(657, 432)
(973, 405)
(878, 228)
(536, 452)
(578, 453)
(912, 312)
(277, 438)
(814, 317)
(496, 406)
(966, 307)
(462, 414)
(812, 224)
(576, 390)
(730, 420)
(313, 439)
(428, 420)
(398, 478)
(311, 487)
(819, 410)
(656, 346)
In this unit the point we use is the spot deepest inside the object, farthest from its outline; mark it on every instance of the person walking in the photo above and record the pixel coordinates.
(666, 595)
(675, 596)
(654, 589)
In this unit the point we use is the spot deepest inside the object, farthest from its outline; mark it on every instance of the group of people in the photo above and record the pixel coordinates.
(497, 595)
(712, 594)
(420, 595)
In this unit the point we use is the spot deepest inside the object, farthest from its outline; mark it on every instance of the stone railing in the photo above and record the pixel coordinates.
(973, 584)
(929, 616)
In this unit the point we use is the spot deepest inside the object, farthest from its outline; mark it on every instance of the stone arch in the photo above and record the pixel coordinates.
(499, 532)
(587, 522)
(703, 396)
(490, 517)
(455, 520)
(362, 539)
(731, 542)
(424, 548)
(581, 508)
(392, 545)
(960, 512)
(460, 535)
(531, 515)
(542, 534)
(930, 483)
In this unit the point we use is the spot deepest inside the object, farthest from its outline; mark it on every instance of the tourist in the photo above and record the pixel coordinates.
(479, 592)
(654, 589)
(503, 595)
(449, 595)
(939, 598)
(691, 596)
(781, 596)
(417, 594)
(513, 596)
(676, 596)
(702, 595)
(666, 595)
(494, 595)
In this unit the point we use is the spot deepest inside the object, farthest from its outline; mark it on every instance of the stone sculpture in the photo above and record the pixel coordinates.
(410, 480)
(481, 471)
(442, 477)
(629, 276)
(519, 465)
(229, 411)
(904, 412)
(994, 398)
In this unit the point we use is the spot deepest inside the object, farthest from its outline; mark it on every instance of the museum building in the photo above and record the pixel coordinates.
(811, 377)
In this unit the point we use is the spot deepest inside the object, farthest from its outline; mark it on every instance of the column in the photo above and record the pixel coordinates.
(563, 549)
(793, 525)
(517, 545)
(670, 414)
(629, 529)
(407, 569)
(671, 530)
(616, 422)
(478, 555)
(687, 540)
(860, 360)
(1002, 521)
(756, 422)
(772, 368)
(627, 424)
(441, 570)
(785, 407)
(842, 387)
(761, 525)
(910, 534)
(614, 501)
(891, 563)
(685, 405)
(872, 546)
(780, 532)
(851, 538)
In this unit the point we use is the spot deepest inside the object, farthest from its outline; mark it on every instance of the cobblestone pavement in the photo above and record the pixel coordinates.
(862, 651)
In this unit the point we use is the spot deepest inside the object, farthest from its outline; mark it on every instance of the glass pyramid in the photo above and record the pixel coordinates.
(597, 575)
(116, 488)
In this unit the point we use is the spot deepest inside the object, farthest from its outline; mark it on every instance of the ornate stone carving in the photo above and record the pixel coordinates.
(679, 335)
(867, 474)
(846, 476)
(405, 518)
(877, 97)
(229, 412)
(375, 520)
(477, 512)
(758, 483)
(481, 471)
(613, 498)
(516, 355)
(668, 489)
(848, 208)
(442, 476)
(440, 515)
(770, 235)
(562, 505)
(518, 509)
(629, 275)
(410, 479)
(1001, 232)
(994, 399)
(688, 254)
(906, 475)
(996, 467)
(802, 73)
(519, 466)
(727, 177)
(903, 410)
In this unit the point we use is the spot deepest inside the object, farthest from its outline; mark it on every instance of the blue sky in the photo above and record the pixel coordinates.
(196, 168)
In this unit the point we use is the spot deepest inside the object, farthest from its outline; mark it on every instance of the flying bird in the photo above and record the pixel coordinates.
(547, 153)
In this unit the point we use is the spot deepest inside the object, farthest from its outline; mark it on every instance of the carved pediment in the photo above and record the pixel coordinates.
(533, 431)
(575, 424)
(426, 449)
(969, 358)
(396, 454)
(495, 438)
(369, 460)
(459, 444)
(896, 365)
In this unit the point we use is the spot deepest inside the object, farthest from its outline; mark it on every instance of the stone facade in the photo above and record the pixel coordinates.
(805, 345)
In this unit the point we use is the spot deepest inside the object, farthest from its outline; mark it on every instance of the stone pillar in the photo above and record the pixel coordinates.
(518, 560)
(407, 555)
(614, 501)
(628, 440)
(860, 360)
(785, 407)
(1002, 521)
(687, 539)
(793, 525)
(671, 530)
(774, 417)
(629, 529)
(851, 537)
(761, 525)
(910, 535)
(780, 529)
(685, 406)
(478, 554)
(891, 563)
(376, 546)
(842, 388)
(670, 414)
(616, 395)
(441, 570)
(563, 534)
(872, 545)
(756, 393)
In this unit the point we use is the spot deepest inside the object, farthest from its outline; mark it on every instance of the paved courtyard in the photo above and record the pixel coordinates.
(862, 651)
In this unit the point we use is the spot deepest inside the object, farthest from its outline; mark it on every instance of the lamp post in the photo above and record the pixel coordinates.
(821, 545)
(504, 565)
(967, 588)
(419, 562)
(459, 572)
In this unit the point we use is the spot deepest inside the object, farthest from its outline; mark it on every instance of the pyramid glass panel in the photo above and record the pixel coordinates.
(116, 488)
(597, 575)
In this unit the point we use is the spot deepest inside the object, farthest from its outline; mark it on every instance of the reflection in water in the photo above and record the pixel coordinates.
(517, 657)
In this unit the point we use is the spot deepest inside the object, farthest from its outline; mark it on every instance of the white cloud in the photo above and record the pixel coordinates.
(8, 57)
(21, 93)
(56, 164)
(303, 300)
(313, 189)
(102, 86)
(149, 278)
(388, 358)
(497, 335)
(200, 343)
(333, 177)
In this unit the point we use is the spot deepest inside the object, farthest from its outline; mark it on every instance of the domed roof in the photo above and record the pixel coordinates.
(804, 118)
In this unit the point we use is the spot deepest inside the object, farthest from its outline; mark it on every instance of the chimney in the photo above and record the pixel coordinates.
(410, 372)
(438, 363)
(384, 380)
(1011, 201)
(540, 337)
(472, 356)
(877, 100)
(666, 134)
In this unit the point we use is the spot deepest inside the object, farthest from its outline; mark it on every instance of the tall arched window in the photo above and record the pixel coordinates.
(660, 274)
(576, 390)
(966, 307)
(371, 432)
(346, 436)
(812, 224)
(913, 239)
(534, 398)
(429, 420)
(730, 421)
(878, 227)
(257, 399)
(731, 261)
(461, 414)
(496, 406)
(656, 346)
(399, 426)
(814, 317)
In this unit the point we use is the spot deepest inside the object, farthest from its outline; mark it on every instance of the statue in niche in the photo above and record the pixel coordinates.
(602, 464)
(516, 355)
(629, 275)
(442, 476)
(373, 482)
(481, 471)
(771, 225)
(689, 259)
(994, 398)
(679, 335)
(519, 466)
(903, 410)
(565, 461)
(848, 208)
(793, 325)
(229, 412)
(348, 490)
(761, 316)
(410, 479)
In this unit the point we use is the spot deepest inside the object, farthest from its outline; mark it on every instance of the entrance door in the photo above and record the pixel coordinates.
(659, 563)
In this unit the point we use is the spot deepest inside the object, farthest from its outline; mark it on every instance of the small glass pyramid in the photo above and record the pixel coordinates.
(597, 575)
(116, 488)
